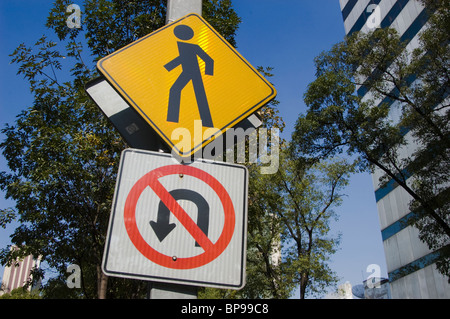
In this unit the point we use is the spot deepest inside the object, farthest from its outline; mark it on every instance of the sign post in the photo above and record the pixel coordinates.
(175, 10)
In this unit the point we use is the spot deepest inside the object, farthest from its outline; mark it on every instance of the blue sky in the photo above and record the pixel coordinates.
(283, 34)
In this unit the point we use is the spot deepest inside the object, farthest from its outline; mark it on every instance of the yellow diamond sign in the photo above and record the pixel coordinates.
(186, 79)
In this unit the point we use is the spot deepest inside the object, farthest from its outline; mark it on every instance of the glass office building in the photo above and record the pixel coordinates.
(411, 269)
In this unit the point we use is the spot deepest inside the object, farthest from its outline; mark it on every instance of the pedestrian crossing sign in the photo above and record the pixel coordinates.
(187, 82)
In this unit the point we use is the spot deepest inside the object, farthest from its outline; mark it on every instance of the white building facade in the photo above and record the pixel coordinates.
(18, 274)
(411, 269)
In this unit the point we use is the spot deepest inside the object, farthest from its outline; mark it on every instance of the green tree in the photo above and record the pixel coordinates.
(414, 84)
(309, 194)
(63, 154)
(265, 277)
(21, 293)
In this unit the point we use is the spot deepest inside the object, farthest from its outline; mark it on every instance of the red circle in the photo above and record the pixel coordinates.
(150, 253)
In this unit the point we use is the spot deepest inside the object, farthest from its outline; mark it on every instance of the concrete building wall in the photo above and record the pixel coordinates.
(17, 275)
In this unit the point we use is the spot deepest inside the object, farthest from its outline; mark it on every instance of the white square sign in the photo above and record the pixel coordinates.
(178, 223)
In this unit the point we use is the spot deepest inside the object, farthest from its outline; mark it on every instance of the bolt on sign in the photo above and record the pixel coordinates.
(176, 223)
(186, 72)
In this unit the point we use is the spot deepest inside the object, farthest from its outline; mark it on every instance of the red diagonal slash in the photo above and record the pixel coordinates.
(181, 214)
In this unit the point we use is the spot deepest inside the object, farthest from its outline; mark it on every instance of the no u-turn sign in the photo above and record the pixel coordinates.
(178, 223)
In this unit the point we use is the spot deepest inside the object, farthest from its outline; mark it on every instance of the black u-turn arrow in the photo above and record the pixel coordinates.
(162, 227)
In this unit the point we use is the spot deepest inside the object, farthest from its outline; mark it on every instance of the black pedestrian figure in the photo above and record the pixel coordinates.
(191, 72)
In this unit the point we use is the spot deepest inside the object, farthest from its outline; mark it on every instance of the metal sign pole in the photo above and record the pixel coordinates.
(160, 290)
(175, 10)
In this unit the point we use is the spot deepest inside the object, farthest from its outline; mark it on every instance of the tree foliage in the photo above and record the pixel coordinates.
(21, 293)
(407, 108)
(308, 194)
